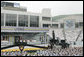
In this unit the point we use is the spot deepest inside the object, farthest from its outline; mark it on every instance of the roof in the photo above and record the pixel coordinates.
(56, 18)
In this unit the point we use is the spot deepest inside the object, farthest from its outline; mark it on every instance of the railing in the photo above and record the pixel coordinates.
(23, 29)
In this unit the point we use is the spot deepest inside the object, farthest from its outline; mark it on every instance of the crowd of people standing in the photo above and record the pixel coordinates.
(71, 51)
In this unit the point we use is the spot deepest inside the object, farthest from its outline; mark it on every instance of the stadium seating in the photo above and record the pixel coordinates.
(71, 35)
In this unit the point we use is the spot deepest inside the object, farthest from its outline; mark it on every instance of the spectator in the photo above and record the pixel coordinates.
(74, 51)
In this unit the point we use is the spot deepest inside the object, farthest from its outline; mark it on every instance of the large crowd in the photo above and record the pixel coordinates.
(72, 51)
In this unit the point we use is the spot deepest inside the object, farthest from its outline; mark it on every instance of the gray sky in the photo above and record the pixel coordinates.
(57, 7)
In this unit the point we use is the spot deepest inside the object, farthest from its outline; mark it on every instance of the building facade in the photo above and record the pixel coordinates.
(17, 24)
(35, 28)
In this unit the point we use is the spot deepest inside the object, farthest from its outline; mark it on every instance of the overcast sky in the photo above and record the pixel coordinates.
(57, 7)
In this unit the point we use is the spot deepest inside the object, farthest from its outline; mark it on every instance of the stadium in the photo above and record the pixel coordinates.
(18, 25)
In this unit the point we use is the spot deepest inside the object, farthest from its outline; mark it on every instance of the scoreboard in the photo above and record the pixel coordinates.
(6, 4)
(69, 24)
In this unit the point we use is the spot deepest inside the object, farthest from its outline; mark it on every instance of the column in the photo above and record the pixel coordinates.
(45, 37)
(59, 26)
(17, 20)
(4, 19)
(51, 22)
(28, 20)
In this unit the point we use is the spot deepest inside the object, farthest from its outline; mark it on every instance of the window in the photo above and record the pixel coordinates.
(3, 4)
(34, 21)
(23, 20)
(2, 19)
(46, 18)
(6, 4)
(11, 19)
(80, 24)
(46, 25)
(62, 25)
(76, 25)
(4, 38)
(55, 25)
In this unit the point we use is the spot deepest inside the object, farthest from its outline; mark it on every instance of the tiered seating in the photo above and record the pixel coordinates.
(71, 35)
(58, 33)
